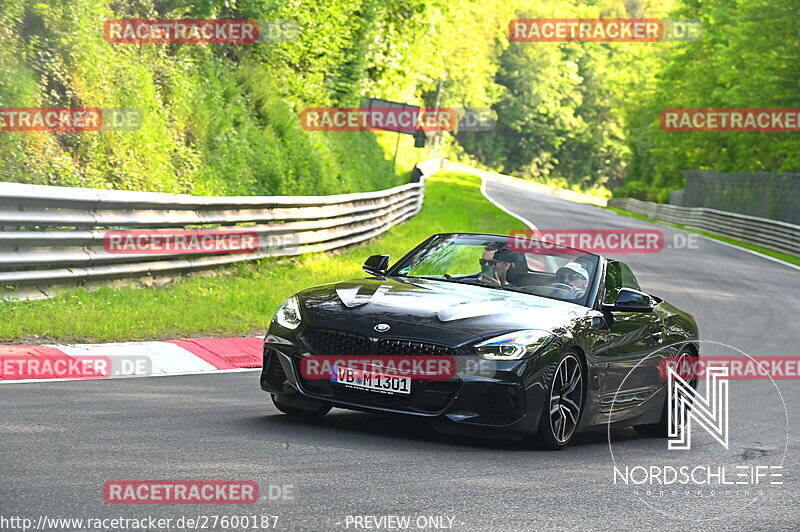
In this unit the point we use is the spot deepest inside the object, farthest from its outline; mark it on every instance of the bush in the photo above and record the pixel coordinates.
(218, 119)
(632, 189)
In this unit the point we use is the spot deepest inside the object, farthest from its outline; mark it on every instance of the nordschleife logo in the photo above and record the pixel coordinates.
(729, 429)
(709, 410)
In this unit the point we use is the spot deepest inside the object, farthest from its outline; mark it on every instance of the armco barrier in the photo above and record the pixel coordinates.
(772, 234)
(53, 236)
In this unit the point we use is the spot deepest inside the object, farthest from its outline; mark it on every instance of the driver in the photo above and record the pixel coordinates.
(574, 276)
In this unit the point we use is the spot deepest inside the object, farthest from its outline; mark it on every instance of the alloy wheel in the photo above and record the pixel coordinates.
(566, 397)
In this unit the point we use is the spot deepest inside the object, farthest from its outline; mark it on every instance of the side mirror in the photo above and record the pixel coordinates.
(629, 300)
(377, 265)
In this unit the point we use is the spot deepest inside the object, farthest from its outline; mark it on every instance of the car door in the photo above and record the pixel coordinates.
(631, 375)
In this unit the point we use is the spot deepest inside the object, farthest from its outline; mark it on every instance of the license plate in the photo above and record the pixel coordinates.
(371, 380)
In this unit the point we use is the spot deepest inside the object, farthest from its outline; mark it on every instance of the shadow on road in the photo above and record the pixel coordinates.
(376, 430)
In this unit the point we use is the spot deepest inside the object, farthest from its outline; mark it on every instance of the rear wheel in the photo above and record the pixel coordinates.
(306, 408)
(684, 365)
(562, 406)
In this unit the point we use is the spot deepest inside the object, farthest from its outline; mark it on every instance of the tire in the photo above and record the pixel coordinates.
(661, 429)
(563, 405)
(310, 410)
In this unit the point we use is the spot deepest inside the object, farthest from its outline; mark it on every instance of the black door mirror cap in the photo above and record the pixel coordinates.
(630, 300)
(377, 265)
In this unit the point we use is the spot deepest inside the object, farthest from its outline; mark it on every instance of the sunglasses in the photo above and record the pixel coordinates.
(575, 277)
(487, 262)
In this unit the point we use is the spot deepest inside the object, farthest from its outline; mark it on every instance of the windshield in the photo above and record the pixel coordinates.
(508, 263)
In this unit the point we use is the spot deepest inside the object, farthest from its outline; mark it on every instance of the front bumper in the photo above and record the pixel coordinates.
(496, 397)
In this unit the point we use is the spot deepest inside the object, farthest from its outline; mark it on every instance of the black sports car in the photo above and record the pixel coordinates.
(486, 335)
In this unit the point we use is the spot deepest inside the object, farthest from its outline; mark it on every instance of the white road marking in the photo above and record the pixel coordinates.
(33, 381)
(734, 246)
(756, 253)
(522, 219)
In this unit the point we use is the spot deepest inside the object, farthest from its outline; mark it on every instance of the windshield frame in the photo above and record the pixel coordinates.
(588, 300)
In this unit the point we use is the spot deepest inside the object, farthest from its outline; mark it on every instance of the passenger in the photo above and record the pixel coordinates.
(495, 264)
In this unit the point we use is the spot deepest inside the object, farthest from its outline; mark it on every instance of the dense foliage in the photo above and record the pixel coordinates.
(218, 118)
(749, 57)
(223, 118)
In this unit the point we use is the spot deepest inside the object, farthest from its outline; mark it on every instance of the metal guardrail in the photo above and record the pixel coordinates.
(53, 236)
(773, 234)
(763, 194)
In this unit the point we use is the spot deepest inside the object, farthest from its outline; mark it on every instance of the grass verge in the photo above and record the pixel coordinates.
(792, 259)
(240, 300)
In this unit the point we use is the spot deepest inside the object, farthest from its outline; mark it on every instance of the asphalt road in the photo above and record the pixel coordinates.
(62, 441)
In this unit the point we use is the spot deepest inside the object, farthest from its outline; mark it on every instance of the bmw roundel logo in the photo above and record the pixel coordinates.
(382, 327)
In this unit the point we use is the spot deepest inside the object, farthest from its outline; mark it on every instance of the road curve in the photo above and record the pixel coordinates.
(62, 441)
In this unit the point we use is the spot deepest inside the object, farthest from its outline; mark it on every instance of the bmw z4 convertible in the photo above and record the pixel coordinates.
(486, 335)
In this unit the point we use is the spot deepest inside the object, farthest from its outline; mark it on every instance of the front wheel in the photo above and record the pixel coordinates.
(306, 408)
(562, 406)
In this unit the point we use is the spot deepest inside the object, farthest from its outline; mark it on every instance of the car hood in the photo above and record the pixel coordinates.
(441, 311)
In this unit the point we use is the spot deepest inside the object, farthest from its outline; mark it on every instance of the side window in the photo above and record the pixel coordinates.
(628, 279)
(618, 275)
(613, 282)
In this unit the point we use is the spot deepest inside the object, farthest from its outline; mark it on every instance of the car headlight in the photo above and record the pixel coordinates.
(513, 346)
(288, 314)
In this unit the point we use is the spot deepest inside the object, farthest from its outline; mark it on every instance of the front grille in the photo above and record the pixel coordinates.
(336, 343)
(409, 348)
(427, 395)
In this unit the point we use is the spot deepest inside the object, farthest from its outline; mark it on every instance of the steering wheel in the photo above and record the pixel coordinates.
(561, 286)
